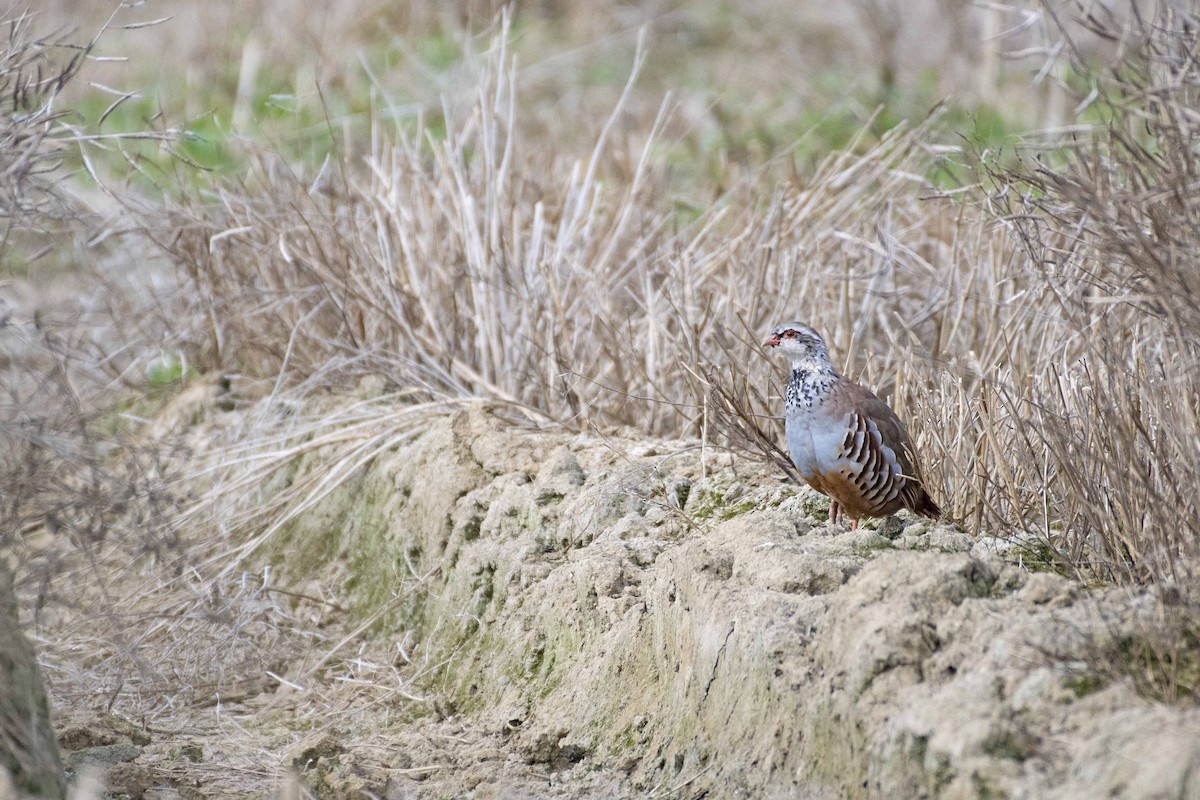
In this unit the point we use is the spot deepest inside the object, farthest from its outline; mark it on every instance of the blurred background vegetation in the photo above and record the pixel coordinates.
(750, 82)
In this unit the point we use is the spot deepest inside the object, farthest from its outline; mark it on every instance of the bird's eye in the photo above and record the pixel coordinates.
(790, 334)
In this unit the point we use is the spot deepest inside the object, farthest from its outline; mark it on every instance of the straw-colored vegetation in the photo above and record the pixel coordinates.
(1037, 351)
(588, 214)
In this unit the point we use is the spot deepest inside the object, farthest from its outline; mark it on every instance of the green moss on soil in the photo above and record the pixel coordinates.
(709, 499)
(1040, 557)
(1083, 685)
(837, 752)
(1164, 665)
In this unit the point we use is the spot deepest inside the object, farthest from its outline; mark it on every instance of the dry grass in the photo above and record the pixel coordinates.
(68, 490)
(33, 72)
(1116, 232)
(485, 262)
(56, 463)
(122, 621)
(480, 262)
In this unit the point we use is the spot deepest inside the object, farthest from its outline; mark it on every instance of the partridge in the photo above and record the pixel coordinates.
(845, 441)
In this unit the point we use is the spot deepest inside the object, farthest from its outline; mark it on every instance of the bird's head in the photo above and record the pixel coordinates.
(799, 343)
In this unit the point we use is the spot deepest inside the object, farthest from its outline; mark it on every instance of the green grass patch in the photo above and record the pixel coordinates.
(1083, 685)
(169, 371)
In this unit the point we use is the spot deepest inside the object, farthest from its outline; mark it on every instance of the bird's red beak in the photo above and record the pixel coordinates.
(771, 341)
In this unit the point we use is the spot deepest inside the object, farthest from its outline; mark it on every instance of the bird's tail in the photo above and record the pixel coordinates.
(923, 504)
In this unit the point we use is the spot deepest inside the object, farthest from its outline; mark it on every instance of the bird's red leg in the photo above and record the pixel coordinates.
(854, 523)
(835, 511)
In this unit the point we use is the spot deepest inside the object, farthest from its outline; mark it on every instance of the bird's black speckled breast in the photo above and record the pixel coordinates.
(807, 389)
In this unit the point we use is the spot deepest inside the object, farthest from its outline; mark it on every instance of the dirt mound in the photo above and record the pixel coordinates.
(618, 617)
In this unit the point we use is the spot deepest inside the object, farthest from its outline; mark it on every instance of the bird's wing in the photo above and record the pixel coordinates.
(878, 437)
